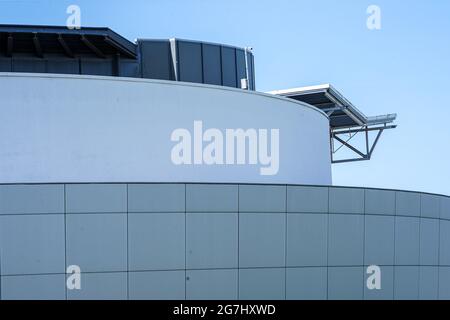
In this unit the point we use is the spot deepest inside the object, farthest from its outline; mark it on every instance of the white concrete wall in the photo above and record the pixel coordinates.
(58, 128)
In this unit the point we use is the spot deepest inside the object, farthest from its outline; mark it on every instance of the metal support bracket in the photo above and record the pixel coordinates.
(366, 154)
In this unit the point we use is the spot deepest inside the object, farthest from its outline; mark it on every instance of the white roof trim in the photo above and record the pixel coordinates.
(320, 87)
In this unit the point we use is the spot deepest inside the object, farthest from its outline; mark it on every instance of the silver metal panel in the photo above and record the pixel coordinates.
(429, 206)
(212, 284)
(211, 198)
(379, 202)
(407, 203)
(326, 254)
(156, 198)
(156, 241)
(429, 242)
(406, 282)
(307, 199)
(407, 241)
(346, 200)
(306, 283)
(445, 208)
(307, 239)
(262, 239)
(101, 286)
(379, 240)
(93, 198)
(262, 284)
(345, 240)
(428, 283)
(444, 283)
(261, 198)
(34, 287)
(211, 240)
(345, 283)
(32, 244)
(97, 242)
(444, 243)
(157, 285)
(24, 199)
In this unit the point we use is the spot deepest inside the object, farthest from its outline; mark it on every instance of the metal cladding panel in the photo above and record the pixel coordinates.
(63, 66)
(97, 67)
(127, 134)
(5, 64)
(156, 59)
(229, 67)
(241, 71)
(251, 70)
(110, 230)
(212, 65)
(129, 68)
(190, 68)
(28, 65)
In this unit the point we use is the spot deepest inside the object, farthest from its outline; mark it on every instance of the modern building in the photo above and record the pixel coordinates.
(159, 170)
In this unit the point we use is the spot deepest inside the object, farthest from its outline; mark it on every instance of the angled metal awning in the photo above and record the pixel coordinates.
(346, 121)
(41, 40)
(342, 113)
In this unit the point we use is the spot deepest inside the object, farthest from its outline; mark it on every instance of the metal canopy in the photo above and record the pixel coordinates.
(41, 40)
(346, 121)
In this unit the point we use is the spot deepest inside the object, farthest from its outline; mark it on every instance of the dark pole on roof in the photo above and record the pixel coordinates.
(37, 46)
(65, 47)
(9, 48)
(92, 47)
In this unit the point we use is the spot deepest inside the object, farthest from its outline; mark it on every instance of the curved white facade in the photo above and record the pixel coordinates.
(57, 128)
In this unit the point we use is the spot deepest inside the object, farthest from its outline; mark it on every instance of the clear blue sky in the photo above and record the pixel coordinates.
(403, 68)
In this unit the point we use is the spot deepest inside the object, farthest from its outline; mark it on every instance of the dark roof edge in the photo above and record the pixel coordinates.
(124, 44)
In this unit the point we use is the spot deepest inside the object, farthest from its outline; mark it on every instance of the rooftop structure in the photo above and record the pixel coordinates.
(101, 51)
(346, 121)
